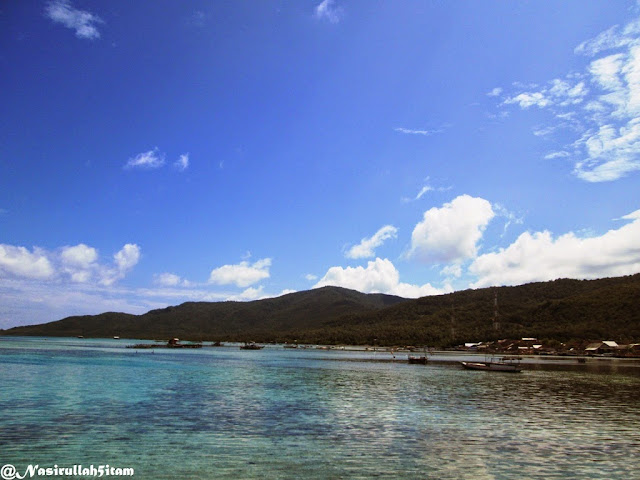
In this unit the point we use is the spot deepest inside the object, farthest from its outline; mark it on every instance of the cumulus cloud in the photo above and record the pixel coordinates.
(146, 160)
(601, 105)
(379, 276)
(327, 10)
(84, 23)
(539, 256)
(79, 262)
(366, 247)
(242, 274)
(20, 262)
(127, 257)
(451, 233)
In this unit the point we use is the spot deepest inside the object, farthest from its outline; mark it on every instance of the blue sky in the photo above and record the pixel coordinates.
(153, 153)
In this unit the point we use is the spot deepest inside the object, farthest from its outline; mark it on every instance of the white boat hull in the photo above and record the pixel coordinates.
(492, 366)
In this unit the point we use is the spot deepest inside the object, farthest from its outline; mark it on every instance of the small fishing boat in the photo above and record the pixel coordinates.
(504, 364)
(251, 346)
(418, 359)
(422, 360)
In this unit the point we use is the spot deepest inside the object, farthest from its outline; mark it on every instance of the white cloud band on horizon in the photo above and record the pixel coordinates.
(539, 256)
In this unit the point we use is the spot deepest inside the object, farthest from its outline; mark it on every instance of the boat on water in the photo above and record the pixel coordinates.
(504, 364)
(251, 346)
(422, 360)
(418, 359)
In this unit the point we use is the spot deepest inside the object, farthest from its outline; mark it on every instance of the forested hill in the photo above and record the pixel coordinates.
(561, 310)
(258, 319)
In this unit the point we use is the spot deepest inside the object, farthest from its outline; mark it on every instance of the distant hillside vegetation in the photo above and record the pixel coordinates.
(561, 310)
(257, 320)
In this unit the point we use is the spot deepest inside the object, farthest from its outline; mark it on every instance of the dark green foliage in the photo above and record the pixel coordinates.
(559, 311)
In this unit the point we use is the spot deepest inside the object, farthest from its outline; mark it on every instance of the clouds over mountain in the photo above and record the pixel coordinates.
(539, 256)
(379, 276)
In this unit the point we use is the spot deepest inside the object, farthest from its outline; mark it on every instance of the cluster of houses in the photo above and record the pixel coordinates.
(531, 346)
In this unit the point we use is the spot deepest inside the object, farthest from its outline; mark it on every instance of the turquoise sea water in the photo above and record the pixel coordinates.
(277, 413)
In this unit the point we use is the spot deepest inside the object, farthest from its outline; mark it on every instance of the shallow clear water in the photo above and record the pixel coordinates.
(276, 413)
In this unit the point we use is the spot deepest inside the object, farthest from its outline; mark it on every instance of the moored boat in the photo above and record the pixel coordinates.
(418, 359)
(251, 346)
(504, 364)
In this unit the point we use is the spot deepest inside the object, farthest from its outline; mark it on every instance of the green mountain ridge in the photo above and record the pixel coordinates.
(559, 310)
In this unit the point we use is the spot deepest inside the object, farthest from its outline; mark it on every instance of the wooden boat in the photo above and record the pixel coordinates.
(504, 364)
(251, 346)
(422, 360)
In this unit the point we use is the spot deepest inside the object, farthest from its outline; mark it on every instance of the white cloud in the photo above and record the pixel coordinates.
(20, 262)
(61, 11)
(416, 132)
(612, 38)
(311, 277)
(527, 99)
(79, 256)
(183, 162)
(510, 217)
(242, 274)
(327, 10)
(602, 105)
(249, 294)
(125, 260)
(540, 257)
(495, 92)
(426, 188)
(560, 154)
(127, 257)
(367, 246)
(453, 270)
(380, 276)
(451, 233)
(422, 191)
(170, 280)
(79, 262)
(147, 160)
